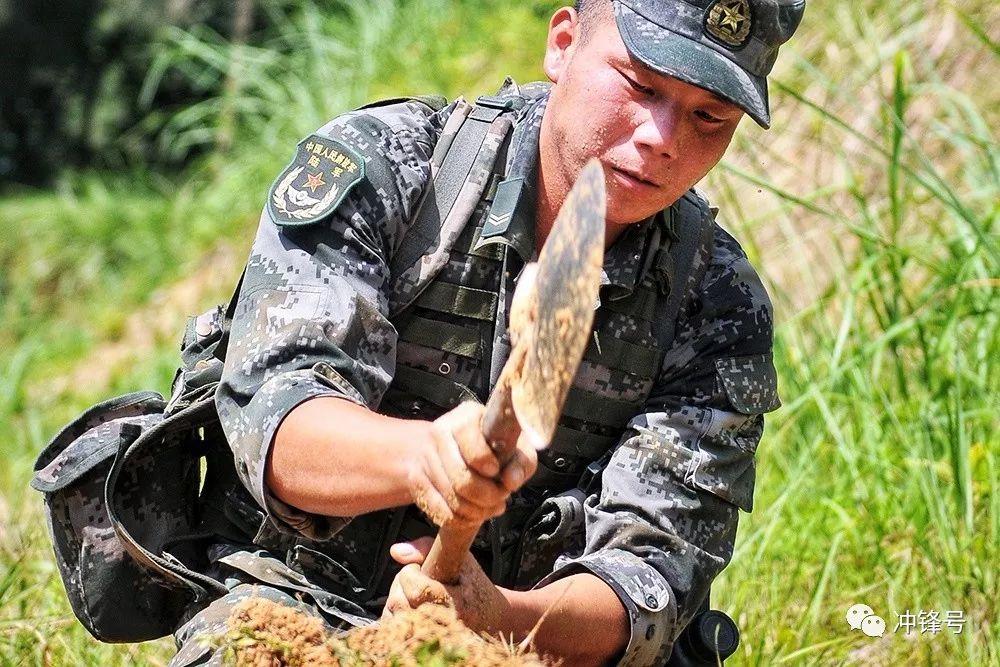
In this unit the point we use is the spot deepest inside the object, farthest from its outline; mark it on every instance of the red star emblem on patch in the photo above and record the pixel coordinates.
(313, 181)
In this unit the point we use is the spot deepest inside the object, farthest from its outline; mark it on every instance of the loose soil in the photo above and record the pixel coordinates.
(263, 633)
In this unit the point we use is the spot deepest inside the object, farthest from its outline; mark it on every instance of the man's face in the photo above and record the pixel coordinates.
(656, 136)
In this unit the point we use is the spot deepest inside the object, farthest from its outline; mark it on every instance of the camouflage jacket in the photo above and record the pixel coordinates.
(312, 319)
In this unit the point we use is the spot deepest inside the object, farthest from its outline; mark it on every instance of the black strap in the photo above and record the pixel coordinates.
(435, 102)
(437, 389)
(457, 299)
(227, 320)
(691, 226)
(594, 408)
(580, 443)
(641, 304)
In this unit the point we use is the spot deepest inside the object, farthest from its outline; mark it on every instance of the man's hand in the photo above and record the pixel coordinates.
(454, 476)
(479, 603)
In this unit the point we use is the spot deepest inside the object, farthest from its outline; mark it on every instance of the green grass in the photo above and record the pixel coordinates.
(871, 209)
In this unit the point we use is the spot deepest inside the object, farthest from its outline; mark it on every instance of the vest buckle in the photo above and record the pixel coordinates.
(590, 480)
(501, 103)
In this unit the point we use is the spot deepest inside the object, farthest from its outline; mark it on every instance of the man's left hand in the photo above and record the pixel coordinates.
(479, 603)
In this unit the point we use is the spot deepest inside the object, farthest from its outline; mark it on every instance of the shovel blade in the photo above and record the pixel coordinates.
(565, 291)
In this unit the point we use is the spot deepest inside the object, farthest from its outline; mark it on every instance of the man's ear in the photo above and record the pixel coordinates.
(564, 36)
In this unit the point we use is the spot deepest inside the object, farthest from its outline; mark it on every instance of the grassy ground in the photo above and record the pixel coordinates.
(871, 209)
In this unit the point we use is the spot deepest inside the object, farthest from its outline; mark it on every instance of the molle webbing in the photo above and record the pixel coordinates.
(624, 356)
(440, 335)
(590, 407)
(641, 304)
(689, 228)
(439, 390)
(466, 301)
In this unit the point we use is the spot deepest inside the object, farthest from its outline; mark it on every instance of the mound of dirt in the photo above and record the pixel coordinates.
(265, 634)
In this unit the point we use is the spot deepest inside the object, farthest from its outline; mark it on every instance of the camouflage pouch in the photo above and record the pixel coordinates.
(71, 472)
(556, 527)
(121, 485)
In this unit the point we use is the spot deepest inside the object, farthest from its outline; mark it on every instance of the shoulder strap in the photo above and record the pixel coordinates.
(461, 166)
(435, 102)
(689, 226)
(227, 319)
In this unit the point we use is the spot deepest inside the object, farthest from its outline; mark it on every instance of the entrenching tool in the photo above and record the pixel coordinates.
(549, 325)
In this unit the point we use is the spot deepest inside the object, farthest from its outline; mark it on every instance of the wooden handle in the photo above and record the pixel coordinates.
(501, 430)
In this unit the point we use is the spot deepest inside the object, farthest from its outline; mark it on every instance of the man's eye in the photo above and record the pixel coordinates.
(645, 90)
(707, 117)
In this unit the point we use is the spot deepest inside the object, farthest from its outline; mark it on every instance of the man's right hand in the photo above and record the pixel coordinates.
(455, 478)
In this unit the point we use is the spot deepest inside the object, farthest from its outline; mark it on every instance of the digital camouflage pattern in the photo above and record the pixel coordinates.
(670, 450)
(71, 473)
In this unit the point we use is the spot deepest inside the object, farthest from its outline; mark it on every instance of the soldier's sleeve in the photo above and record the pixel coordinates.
(663, 523)
(311, 317)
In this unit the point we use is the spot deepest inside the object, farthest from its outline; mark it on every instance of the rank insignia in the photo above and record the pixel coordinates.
(315, 182)
(729, 22)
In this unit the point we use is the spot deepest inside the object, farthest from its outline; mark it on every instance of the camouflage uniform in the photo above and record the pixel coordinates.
(657, 523)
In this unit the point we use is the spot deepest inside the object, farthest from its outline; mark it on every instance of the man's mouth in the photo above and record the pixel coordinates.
(633, 177)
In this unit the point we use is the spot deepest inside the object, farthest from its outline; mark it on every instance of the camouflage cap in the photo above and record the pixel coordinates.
(725, 46)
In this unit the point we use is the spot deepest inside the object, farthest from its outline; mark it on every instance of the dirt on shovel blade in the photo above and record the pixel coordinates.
(263, 633)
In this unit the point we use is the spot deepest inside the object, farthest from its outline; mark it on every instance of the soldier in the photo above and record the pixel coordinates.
(355, 349)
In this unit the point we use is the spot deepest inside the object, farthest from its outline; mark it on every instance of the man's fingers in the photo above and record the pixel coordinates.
(414, 551)
(468, 479)
(481, 491)
(476, 452)
(396, 601)
(433, 504)
(420, 589)
(442, 466)
(471, 487)
(520, 468)
(404, 554)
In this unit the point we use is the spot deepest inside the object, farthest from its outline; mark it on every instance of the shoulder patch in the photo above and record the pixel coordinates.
(323, 171)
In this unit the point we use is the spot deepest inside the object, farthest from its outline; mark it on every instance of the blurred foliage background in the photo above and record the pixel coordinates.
(138, 138)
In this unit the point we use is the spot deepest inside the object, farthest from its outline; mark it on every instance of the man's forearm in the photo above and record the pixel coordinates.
(336, 458)
(587, 624)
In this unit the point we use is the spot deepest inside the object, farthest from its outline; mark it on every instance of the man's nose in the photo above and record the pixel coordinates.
(659, 130)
